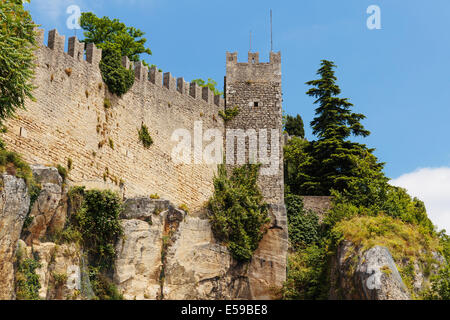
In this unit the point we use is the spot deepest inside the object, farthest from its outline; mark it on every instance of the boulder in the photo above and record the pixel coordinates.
(366, 275)
(378, 277)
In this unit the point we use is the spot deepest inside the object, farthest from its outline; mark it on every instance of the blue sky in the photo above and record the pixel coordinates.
(399, 76)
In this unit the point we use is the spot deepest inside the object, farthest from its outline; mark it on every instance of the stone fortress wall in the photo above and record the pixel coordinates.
(68, 120)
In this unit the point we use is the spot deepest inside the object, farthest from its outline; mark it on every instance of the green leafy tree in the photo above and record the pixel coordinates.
(297, 164)
(211, 84)
(334, 158)
(294, 126)
(440, 285)
(27, 280)
(113, 34)
(116, 40)
(118, 79)
(238, 214)
(17, 43)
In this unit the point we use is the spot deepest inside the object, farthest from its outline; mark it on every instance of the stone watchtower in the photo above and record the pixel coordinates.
(254, 88)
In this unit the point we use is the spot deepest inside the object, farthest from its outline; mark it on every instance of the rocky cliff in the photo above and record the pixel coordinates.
(164, 253)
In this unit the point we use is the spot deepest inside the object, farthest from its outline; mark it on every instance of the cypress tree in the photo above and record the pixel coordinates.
(335, 159)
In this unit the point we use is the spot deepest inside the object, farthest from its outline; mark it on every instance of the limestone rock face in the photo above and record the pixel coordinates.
(375, 277)
(171, 255)
(14, 206)
(143, 207)
(378, 276)
(138, 262)
(50, 209)
(267, 270)
(59, 272)
(197, 267)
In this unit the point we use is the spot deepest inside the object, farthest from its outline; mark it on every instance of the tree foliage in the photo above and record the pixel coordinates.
(304, 229)
(294, 126)
(306, 278)
(211, 84)
(17, 43)
(366, 209)
(115, 35)
(118, 79)
(332, 161)
(237, 212)
(96, 217)
(116, 40)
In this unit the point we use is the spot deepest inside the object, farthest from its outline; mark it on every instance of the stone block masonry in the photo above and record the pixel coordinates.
(255, 89)
(74, 119)
(68, 120)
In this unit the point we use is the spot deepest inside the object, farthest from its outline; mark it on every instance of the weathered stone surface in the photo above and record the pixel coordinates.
(14, 205)
(138, 260)
(369, 275)
(143, 207)
(318, 204)
(196, 267)
(267, 270)
(50, 209)
(59, 271)
(378, 276)
(63, 120)
(44, 175)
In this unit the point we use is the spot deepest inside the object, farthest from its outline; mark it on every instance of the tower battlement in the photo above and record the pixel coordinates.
(253, 70)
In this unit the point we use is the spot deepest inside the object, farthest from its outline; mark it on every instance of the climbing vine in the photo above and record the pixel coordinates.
(238, 214)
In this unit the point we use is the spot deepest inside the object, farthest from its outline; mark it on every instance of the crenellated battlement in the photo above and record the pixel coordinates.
(76, 49)
(253, 70)
(89, 53)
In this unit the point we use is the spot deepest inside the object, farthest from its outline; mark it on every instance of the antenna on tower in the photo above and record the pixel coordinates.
(271, 32)
(250, 41)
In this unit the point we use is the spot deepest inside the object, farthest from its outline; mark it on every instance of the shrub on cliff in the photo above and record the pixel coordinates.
(440, 285)
(27, 281)
(237, 212)
(17, 42)
(306, 278)
(95, 216)
(94, 224)
(13, 164)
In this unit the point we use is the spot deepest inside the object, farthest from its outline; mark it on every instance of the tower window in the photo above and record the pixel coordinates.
(256, 104)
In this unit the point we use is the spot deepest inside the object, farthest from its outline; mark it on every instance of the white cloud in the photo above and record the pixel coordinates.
(432, 186)
(54, 12)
